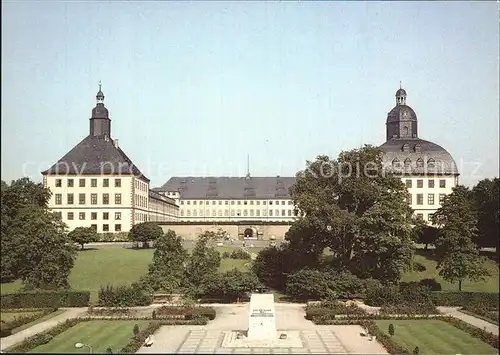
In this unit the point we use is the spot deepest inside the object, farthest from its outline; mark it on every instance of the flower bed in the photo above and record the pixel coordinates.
(330, 310)
(488, 315)
(182, 312)
(411, 309)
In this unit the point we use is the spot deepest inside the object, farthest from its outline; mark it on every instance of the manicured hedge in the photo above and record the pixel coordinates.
(25, 319)
(124, 296)
(139, 339)
(483, 313)
(403, 308)
(331, 309)
(476, 332)
(45, 299)
(455, 299)
(188, 313)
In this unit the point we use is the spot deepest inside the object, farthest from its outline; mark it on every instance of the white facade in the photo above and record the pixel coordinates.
(106, 203)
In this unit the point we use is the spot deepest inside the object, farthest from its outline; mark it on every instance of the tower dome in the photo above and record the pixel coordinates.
(401, 120)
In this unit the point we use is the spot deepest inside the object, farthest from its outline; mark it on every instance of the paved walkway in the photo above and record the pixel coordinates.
(482, 324)
(40, 327)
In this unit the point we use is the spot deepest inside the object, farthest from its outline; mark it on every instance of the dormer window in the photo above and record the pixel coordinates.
(396, 163)
(417, 148)
(407, 162)
(431, 163)
(420, 163)
(406, 147)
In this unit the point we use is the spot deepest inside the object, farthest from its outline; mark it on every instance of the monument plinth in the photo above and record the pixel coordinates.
(262, 328)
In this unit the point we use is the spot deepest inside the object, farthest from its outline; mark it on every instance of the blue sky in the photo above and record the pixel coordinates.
(193, 87)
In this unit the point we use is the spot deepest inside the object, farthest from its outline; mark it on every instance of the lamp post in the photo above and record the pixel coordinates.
(81, 345)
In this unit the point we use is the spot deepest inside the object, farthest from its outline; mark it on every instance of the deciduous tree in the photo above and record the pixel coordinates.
(83, 235)
(145, 232)
(486, 197)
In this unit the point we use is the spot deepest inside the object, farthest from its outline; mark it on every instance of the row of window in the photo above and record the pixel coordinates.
(141, 201)
(162, 207)
(430, 199)
(93, 216)
(139, 185)
(105, 227)
(141, 217)
(431, 163)
(238, 213)
(93, 182)
(238, 202)
(421, 216)
(82, 199)
(430, 183)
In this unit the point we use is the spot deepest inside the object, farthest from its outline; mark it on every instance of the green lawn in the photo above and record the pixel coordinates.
(116, 266)
(99, 334)
(434, 337)
(489, 285)
(9, 316)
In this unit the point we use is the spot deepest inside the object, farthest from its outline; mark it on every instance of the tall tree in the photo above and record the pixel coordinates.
(203, 263)
(145, 232)
(34, 245)
(166, 272)
(358, 209)
(456, 246)
(486, 197)
(83, 235)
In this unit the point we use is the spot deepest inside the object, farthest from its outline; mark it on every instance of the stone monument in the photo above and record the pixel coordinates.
(262, 332)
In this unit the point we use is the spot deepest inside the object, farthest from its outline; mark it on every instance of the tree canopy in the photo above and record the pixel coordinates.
(83, 235)
(145, 232)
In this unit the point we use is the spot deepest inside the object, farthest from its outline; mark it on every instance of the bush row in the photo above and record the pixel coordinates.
(485, 313)
(188, 313)
(124, 296)
(114, 311)
(25, 319)
(332, 309)
(476, 332)
(45, 299)
(408, 308)
(321, 320)
(456, 299)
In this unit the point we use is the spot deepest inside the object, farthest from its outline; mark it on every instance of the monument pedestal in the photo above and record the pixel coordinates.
(262, 321)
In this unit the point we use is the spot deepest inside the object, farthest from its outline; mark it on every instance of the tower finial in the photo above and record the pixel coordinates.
(248, 166)
(400, 85)
(100, 84)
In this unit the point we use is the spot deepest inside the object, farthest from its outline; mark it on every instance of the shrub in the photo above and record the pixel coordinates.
(124, 296)
(45, 299)
(456, 299)
(188, 313)
(5, 329)
(109, 350)
(419, 267)
(136, 329)
(25, 319)
(379, 296)
(240, 254)
(226, 255)
(133, 346)
(330, 309)
(207, 312)
(416, 351)
(432, 284)
(408, 308)
(391, 329)
(109, 311)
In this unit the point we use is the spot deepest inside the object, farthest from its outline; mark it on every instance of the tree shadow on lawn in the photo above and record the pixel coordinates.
(428, 254)
(87, 249)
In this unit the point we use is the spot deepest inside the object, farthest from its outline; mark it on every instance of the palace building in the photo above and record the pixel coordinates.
(96, 185)
(427, 169)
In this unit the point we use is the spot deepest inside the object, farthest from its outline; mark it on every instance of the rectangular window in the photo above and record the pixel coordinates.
(81, 216)
(257, 202)
(276, 213)
(290, 202)
(283, 202)
(182, 202)
(239, 202)
(277, 202)
(232, 202)
(81, 199)
(219, 213)
(70, 199)
(105, 183)
(118, 227)
(220, 202)
(226, 202)
(270, 213)
(441, 198)
(105, 199)
(420, 216)
(420, 184)
(264, 213)
(118, 216)
(93, 199)
(232, 213)
(257, 212)
(194, 202)
(93, 215)
(70, 183)
(283, 213)
(251, 213)
(420, 199)
(93, 182)
(71, 216)
(245, 212)
(430, 199)
(245, 202)
(118, 182)
(188, 213)
(182, 213)
(251, 202)
(214, 213)
(118, 199)
(442, 183)
(226, 213)
(408, 184)
(105, 227)
(429, 217)
(270, 202)
(94, 227)
(264, 202)
(58, 199)
(238, 213)
(289, 213)
(431, 183)
(201, 213)
(58, 182)
(105, 216)
(194, 213)
(188, 202)
(82, 183)
(213, 202)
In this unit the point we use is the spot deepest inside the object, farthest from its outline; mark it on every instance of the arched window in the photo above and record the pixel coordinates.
(431, 163)
(407, 162)
(405, 131)
(395, 163)
(406, 147)
(417, 148)
(420, 163)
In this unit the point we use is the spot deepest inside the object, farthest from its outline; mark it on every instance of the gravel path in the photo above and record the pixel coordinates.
(455, 312)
